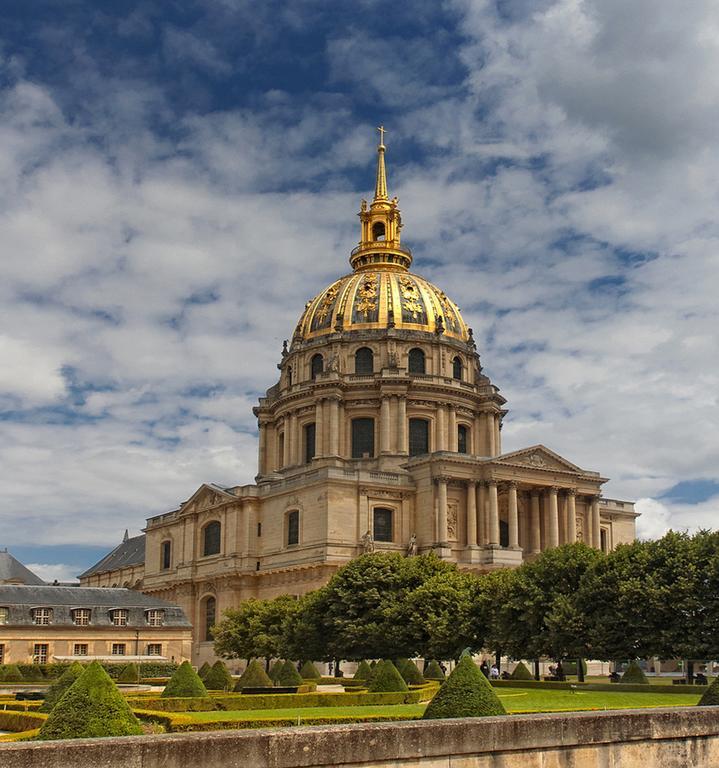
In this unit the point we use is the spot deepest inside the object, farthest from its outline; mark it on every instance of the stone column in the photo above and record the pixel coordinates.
(489, 427)
(571, 516)
(452, 430)
(553, 533)
(286, 443)
(534, 522)
(294, 441)
(319, 428)
(384, 426)
(262, 427)
(402, 425)
(334, 427)
(512, 518)
(471, 513)
(441, 429)
(441, 510)
(596, 527)
(482, 510)
(493, 514)
(497, 435)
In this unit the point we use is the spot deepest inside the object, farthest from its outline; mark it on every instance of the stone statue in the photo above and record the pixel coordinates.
(412, 546)
(368, 542)
(333, 364)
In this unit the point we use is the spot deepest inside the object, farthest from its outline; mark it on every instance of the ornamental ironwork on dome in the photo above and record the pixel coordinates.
(381, 293)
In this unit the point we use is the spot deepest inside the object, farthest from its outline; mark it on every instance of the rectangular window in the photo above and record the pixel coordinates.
(2, 653)
(293, 528)
(603, 540)
(418, 437)
(462, 441)
(281, 450)
(39, 653)
(362, 438)
(309, 430)
(81, 617)
(119, 617)
(155, 618)
(165, 555)
(259, 530)
(79, 649)
(42, 616)
(154, 649)
(4, 615)
(382, 524)
(118, 649)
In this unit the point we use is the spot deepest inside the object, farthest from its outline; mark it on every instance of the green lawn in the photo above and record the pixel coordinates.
(514, 699)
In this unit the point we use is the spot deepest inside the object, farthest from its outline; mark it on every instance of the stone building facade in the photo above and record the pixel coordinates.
(383, 432)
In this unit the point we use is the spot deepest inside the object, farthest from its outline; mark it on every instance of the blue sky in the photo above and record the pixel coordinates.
(178, 179)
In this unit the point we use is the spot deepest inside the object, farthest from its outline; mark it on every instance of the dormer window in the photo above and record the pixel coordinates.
(81, 617)
(4, 615)
(42, 616)
(155, 617)
(118, 617)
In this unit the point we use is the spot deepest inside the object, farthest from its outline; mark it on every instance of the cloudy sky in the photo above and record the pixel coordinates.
(178, 179)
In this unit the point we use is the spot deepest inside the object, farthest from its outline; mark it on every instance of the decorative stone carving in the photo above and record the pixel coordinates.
(452, 521)
(412, 546)
(367, 542)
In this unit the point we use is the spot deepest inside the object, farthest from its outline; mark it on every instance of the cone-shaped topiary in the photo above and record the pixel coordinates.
(710, 697)
(56, 691)
(386, 678)
(218, 678)
(184, 683)
(130, 674)
(203, 670)
(364, 671)
(309, 671)
(373, 664)
(433, 671)
(275, 670)
(289, 676)
(634, 674)
(466, 693)
(11, 674)
(411, 674)
(521, 672)
(92, 706)
(254, 676)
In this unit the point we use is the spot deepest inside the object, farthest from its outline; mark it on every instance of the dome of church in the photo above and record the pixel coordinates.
(381, 298)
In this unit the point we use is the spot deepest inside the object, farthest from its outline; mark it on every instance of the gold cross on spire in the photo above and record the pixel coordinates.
(382, 132)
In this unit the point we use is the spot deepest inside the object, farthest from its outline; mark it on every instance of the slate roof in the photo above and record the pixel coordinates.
(101, 600)
(12, 570)
(130, 552)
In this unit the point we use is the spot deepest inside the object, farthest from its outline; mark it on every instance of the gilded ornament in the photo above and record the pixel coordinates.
(367, 293)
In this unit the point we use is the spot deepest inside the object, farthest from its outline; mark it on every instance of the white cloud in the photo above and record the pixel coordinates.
(54, 571)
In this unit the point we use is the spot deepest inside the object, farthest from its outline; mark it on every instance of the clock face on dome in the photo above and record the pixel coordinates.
(379, 299)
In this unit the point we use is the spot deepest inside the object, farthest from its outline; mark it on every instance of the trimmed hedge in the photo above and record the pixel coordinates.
(289, 675)
(710, 698)
(363, 672)
(218, 678)
(275, 669)
(131, 674)
(57, 690)
(309, 671)
(20, 721)
(614, 687)
(466, 693)
(203, 670)
(634, 674)
(253, 677)
(179, 704)
(434, 671)
(10, 673)
(411, 674)
(386, 678)
(185, 683)
(91, 707)
(242, 702)
(521, 672)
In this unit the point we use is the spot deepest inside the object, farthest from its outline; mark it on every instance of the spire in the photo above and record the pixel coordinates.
(380, 187)
(126, 537)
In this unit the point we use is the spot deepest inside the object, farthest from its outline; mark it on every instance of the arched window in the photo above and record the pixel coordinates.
(362, 438)
(165, 555)
(378, 231)
(309, 432)
(364, 360)
(316, 365)
(416, 361)
(211, 539)
(457, 368)
(462, 439)
(382, 524)
(210, 617)
(418, 437)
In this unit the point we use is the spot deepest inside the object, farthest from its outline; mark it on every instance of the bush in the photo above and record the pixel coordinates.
(387, 678)
(253, 677)
(411, 674)
(207, 704)
(246, 701)
(634, 674)
(185, 683)
(31, 673)
(91, 707)
(710, 698)
(364, 671)
(203, 670)
(218, 678)
(433, 671)
(131, 674)
(521, 672)
(466, 693)
(11, 674)
(309, 671)
(57, 690)
(275, 670)
(289, 675)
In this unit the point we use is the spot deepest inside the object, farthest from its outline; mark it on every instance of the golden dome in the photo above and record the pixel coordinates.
(381, 293)
(381, 299)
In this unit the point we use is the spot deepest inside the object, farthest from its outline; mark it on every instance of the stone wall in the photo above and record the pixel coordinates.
(665, 738)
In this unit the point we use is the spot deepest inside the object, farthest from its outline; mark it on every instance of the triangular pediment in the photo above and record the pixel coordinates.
(539, 457)
(206, 496)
